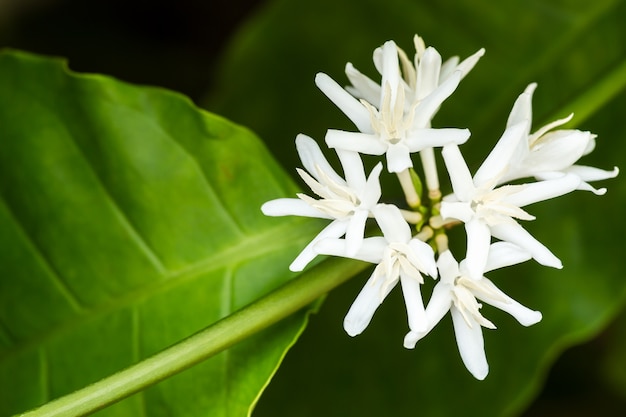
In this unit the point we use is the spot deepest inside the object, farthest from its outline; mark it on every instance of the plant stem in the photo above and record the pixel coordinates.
(219, 336)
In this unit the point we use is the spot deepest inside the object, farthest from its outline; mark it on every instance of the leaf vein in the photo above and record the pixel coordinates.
(57, 279)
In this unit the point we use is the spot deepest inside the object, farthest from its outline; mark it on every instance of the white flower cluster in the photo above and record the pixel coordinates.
(394, 118)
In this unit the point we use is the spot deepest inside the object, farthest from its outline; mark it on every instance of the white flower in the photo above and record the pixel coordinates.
(392, 126)
(420, 77)
(346, 202)
(458, 293)
(548, 154)
(400, 257)
(488, 210)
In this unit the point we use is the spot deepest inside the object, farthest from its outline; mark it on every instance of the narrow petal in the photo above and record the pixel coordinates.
(372, 192)
(448, 68)
(334, 230)
(503, 254)
(313, 159)
(429, 106)
(349, 105)
(390, 71)
(542, 130)
(355, 232)
(419, 139)
(353, 169)
(392, 224)
(471, 345)
(364, 306)
(438, 306)
(587, 173)
(356, 142)
(414, 304)
(468, 63)
(448, 267)
(457, 210)
(459, 173)
(543, 190)
(398, 158)
(428, 72)
(362, 86)
(500, 157)
(522, 110)
(560, 149)
(291, 207)
(371, 249)
(425, 257)
(516, 234)
(478, 243)
(524, 315)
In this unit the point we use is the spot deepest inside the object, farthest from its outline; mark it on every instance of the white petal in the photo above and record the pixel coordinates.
(543, 190)
(355, 232)
(471, 345)
(426, 256)
(522, 314)
(448, 267)
(448, 68)
(592, 174)
(522, 110)
(468, 63)
(478, 242)
(356, 142)
(457, 210)
(557, 150)
(428, 72)
(542, 130)
(503, 254)
(390, 71)
(419, 139)
(371, 249)
(460, 176)
(438, 306)
(414, 304)
(372, 192)
(364, 306)
(499, 159)
(429, 106)
(334, 230)
(516, 234)
(291, 207)
(392, 224)
(362, 86)
(398, 158)
(349, 105)
(312, 157)
(353, 169)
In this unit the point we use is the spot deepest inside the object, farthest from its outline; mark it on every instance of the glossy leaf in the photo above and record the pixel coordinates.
(130, 220)
(574, 50)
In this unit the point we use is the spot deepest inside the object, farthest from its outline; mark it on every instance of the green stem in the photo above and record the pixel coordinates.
(232, 329)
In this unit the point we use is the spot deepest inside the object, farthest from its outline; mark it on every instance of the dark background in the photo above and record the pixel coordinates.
(176, 45)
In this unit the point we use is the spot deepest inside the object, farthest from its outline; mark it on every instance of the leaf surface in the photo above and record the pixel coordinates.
(130, 220)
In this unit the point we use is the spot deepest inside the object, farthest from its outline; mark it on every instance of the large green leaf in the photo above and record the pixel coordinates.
(569, 48)
(130, 220)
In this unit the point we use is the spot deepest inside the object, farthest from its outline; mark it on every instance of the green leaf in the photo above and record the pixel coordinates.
(130, 220)
(573, 49)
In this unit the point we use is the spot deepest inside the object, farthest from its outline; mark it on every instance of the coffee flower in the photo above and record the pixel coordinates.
(391, 126)
(548, 153)
(399, 256)
(491, 210)
(460, 294)
(346, 202)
